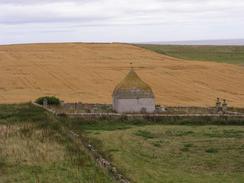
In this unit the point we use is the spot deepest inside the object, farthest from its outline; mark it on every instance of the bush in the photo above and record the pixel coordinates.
(50, 100)
(145, 134)
(211, 150)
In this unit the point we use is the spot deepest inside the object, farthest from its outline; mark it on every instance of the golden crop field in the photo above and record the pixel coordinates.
(89, 73)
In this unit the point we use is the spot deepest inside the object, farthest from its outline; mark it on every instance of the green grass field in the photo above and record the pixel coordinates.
(33, 149)
(174, 153)
(224, 54)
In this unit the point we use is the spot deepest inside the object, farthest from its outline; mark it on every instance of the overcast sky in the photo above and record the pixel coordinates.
(23, 21)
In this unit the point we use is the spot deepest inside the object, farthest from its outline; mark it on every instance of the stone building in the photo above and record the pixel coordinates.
(132, 95)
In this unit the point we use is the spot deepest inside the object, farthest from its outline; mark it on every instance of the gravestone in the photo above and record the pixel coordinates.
(62, 103)
(218, 106)
(45, 102)
(224, 106)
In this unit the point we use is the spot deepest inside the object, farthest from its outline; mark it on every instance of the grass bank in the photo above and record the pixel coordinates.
(33, 148)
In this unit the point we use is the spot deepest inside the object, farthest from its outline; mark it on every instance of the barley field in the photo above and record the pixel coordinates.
(89, 73)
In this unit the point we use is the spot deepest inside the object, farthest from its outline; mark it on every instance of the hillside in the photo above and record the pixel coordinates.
(222, 54)
(89, 73)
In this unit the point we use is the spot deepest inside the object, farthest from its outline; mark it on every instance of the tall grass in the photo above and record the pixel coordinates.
(34, 148)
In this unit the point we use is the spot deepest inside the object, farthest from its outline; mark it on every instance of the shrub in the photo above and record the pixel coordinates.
(188, 145)
(145, 134)
(157, 143)
(51, 100)
(211, 150)
(185, 149)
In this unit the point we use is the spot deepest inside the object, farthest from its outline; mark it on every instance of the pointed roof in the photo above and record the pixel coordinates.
(133, 84)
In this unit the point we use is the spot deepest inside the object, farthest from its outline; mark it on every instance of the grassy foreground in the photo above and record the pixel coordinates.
(33, 149)
(174, 153)
(225, 54)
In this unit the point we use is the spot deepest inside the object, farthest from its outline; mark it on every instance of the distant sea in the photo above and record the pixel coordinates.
(222, 42)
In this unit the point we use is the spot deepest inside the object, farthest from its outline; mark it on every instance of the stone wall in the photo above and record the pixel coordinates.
(190, 110)
(134, 105)
(227, 118)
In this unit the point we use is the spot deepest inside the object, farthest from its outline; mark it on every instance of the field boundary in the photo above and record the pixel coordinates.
(104, 164)
(98, 158)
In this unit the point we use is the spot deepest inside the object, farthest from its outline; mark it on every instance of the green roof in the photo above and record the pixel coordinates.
(132, 82)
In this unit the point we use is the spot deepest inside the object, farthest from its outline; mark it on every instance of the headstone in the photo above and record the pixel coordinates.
(45, 102)
(75, 107)
(159, 109)
(224, 106)
(61, 103)
(218, 105)
(94, 109)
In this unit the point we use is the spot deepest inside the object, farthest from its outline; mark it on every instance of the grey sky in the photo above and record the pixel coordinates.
(24, 21)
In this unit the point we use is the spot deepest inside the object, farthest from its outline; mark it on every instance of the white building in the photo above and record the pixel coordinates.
(132, 95)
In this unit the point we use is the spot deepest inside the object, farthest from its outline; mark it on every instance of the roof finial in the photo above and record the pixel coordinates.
(131, 66)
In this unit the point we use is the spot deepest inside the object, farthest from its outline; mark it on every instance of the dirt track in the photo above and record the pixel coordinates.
(89, 72)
